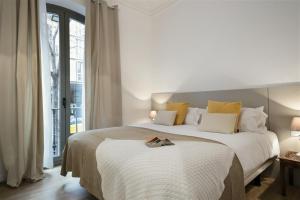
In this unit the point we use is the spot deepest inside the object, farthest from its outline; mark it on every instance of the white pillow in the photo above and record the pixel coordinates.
(253, 120)
(218, 122)
(165, 117)
(193, 115)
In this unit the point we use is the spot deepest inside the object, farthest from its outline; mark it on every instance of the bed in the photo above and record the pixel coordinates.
(253, 152)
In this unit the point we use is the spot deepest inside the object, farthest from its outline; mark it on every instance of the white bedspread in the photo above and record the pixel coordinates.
(131, 170)
(252, 149)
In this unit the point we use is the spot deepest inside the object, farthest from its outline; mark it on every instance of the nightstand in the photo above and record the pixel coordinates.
(290, 161)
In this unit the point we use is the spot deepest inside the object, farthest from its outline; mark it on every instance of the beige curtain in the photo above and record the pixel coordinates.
(103, 80)
(21, 119)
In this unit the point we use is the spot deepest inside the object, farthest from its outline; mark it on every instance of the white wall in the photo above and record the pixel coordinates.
(204, 45)
(199, 45)
(136, 63)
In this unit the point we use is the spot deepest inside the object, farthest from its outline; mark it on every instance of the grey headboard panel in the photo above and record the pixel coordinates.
(281, 102)
(248, 97)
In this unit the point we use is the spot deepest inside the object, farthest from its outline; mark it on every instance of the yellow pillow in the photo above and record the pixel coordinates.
(225, 107)
(181, 109)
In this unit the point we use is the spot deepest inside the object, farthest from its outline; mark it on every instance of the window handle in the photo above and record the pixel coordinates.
(64, 102)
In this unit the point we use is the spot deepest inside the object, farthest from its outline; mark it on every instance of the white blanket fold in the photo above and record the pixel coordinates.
(187, 170)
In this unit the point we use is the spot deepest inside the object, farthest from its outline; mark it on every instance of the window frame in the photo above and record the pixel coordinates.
(64, 54)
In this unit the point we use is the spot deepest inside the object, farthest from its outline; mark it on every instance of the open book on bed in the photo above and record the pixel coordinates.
(156, 142)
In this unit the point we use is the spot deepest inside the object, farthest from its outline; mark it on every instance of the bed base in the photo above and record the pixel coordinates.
(256, 181)
(255, 176)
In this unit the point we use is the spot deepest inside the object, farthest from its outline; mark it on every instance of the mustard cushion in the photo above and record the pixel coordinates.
(225, 107)
(181, 109)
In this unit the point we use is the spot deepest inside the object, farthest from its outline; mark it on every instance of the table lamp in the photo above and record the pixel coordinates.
(152, 114)
(295, 128)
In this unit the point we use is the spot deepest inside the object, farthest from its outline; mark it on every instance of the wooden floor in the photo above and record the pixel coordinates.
(56, 187)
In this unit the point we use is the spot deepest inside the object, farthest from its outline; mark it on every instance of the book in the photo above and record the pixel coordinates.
(157, 142)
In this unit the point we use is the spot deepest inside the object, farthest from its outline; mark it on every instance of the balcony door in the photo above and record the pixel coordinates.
(66, 31)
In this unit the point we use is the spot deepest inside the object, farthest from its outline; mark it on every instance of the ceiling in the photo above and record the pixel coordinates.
(150, 7)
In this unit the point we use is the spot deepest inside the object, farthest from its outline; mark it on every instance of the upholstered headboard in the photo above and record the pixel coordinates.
(281, 103)
(249, 98)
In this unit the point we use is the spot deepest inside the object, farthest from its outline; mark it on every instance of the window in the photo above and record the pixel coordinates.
(66, 31)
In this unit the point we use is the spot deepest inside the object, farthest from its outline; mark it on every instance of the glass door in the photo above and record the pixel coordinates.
(76, 39)
(66, 32)
(57, 92)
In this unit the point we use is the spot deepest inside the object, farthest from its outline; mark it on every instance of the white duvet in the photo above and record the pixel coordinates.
(130, 170)
(188, 170)
(252, 149)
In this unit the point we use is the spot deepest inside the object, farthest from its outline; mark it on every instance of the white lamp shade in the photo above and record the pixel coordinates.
(152, 114)
(295, 127)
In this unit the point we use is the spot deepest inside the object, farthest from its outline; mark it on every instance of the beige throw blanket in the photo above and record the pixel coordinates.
(80, 158)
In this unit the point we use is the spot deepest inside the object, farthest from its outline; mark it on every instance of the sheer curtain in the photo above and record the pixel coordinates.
(103, 101)
(46, 79)
(21, 119)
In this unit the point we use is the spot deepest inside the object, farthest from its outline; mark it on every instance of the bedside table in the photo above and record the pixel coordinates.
(290, 161)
